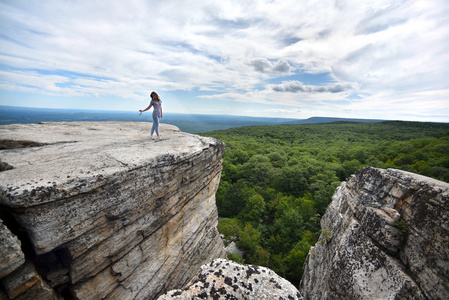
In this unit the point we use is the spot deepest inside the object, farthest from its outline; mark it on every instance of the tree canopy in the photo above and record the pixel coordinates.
(277, 181)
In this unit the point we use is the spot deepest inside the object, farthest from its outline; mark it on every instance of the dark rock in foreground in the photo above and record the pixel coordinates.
(224, 279)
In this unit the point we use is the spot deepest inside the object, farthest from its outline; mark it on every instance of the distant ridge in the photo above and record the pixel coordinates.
(315, 120)
(191, 123)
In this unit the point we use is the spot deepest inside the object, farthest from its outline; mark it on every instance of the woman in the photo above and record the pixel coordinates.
(157, 113)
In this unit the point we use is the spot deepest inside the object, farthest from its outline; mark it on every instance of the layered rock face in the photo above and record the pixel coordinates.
(224, 279)
(384, 236)
(104, 212)
(11, 255)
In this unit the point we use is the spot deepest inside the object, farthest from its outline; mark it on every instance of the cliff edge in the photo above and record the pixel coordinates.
(385, 235)
(103, 212)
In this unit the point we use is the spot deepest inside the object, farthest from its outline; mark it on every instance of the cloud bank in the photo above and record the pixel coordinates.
(299, 87)
(347, 58)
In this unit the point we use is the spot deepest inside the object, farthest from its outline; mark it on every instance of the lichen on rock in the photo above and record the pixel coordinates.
(224, 279)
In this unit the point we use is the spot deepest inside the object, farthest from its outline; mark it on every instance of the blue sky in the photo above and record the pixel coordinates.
(384, 59)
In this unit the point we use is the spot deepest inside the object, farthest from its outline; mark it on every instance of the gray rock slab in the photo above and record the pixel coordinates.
(125, 216)
(11, 255)
(75, 157)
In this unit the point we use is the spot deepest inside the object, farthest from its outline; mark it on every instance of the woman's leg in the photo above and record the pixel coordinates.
(155, 125)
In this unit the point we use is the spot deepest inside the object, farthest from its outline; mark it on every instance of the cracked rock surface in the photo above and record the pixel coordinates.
(385, 235)
(115, 214)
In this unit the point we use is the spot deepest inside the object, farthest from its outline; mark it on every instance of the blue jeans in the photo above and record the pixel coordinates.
(155, 124)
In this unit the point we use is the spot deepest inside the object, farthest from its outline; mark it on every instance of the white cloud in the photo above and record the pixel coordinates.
(232, 49)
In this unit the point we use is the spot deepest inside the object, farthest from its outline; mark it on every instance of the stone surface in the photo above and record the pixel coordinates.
(384, 236)
(232, 248)
(25, 283)
(11, 255)
(224, 279)
(120, 216)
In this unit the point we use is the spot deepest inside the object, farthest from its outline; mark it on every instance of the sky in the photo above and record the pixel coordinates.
(383, 59)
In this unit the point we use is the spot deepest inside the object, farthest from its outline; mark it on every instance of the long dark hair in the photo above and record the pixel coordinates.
(155, 96)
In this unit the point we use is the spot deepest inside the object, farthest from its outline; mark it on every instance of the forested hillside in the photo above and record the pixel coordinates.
(278, 180)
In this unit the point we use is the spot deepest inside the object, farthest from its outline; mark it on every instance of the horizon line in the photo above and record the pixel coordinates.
(221, 115)
(227, 115)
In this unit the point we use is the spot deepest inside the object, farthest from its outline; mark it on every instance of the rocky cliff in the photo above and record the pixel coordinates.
(384, 236)
(103, 212)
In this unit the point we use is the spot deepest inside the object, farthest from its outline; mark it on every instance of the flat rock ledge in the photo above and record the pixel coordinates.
(385, 235)
(103, 212)
(224, 279)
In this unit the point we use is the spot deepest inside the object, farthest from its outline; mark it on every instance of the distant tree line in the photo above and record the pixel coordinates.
(277, 181)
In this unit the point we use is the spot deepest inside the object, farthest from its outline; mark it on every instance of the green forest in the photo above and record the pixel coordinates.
(277, 181)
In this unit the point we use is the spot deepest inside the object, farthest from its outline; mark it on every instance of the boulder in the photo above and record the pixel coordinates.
(385, 235)
(233, 249)
(224, 279)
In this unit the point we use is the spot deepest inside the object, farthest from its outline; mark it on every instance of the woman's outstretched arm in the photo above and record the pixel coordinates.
(149, 106)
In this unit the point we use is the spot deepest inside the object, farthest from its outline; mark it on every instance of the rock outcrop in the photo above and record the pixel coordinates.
(11, 255)
(224, 279)
(384, 236)
(103, 212)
